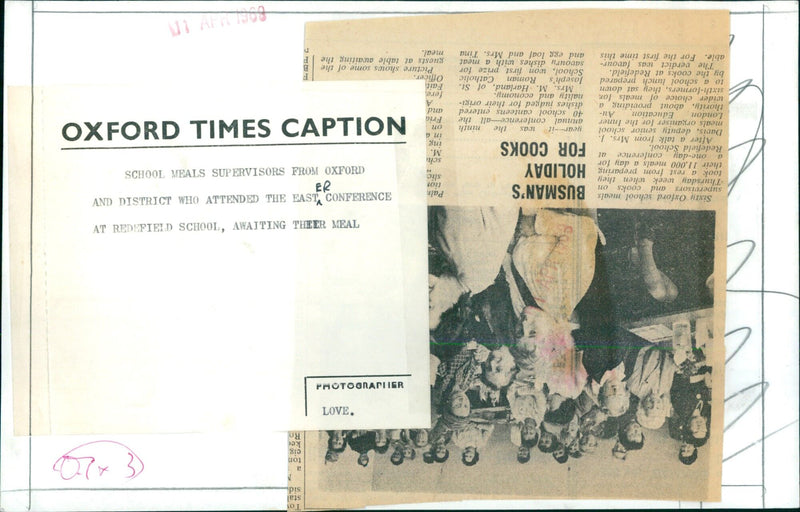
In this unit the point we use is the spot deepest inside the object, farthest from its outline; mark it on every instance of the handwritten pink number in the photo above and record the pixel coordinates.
(69, 466)
(133, 471)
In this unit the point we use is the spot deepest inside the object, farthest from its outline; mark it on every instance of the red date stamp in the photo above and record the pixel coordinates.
(109, 460)
(253, 14)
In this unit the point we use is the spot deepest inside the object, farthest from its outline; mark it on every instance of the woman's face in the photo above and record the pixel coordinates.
(459, 405)
(687, 450)
(614, 397)
(698, 427)
(469, 454)
(397, 456)
(633, 431)
(528, 430)
(499, 368)
(654, 404)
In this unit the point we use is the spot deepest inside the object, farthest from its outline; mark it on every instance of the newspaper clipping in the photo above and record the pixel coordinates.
(577, 179)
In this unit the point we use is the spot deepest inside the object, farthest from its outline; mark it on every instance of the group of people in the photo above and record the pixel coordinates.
(645, 390)
(523, 333)
(399, 445)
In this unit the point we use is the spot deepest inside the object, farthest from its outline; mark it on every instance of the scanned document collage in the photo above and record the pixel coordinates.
(576, 181)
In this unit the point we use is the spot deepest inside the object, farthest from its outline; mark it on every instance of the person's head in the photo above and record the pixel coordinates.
(397, 457)
(440, 452)
(459, 404)
(587, 443)
(561, 411)
(443, 293)
(607, 429)
(687, 453)
(536, 323)
(499, 367)
(363, 459)
(529, 433)
(409, 452)
(652, 411)
(614, 397)
(619, 452)
(574, 450)
(631, 436)
(523, 454)
(420, 437)
(382, 449)
(696, 431)
(560, 453)
(555, 401)
(470, 456)
(336, 441)
(331, 456)
(427, 457)
(547, 442)
(570, 431)
(381, 439)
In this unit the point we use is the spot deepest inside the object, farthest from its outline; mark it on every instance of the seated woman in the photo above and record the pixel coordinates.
(691, 402)
(472, 438)
(419, 437)
(454, 424)
(526, 399)
(609, 365)
(561, 419)
(362, 441)
(455, 418)
(650, 381)
(496, 374)
(603, 401)
(525, 433)
(459, 373)
(631, 435)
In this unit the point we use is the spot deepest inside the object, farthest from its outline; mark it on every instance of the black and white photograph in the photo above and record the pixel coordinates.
(570, 355)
